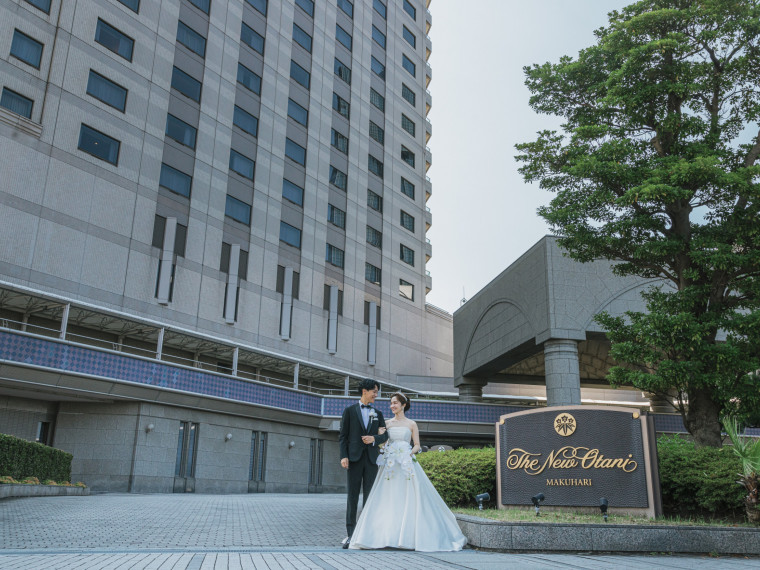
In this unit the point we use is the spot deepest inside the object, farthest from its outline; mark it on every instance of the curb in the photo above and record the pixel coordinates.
(548, 537)
(11, 490)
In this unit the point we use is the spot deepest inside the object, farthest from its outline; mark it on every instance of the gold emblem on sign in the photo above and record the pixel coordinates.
(564, 424)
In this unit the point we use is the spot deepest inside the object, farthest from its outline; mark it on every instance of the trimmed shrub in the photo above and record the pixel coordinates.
(23, 459)
(699, 480)
(460, 474)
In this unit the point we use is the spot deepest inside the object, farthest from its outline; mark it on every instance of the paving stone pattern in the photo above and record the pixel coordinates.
(269, 531)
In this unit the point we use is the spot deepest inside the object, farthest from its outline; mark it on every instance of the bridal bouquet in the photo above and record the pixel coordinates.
(396, 456)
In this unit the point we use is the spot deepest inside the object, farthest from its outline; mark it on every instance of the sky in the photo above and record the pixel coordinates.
(484, 215)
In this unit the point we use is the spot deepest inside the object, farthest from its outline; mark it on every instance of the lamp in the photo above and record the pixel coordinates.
(603, 504)
(291, 445)
(537, 501)
(149, 428)
(483, 497)
(228, 437)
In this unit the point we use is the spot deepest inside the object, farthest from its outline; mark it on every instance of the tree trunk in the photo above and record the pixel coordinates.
(702, 418)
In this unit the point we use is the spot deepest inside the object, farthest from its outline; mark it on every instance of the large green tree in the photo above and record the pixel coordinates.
(656, 168)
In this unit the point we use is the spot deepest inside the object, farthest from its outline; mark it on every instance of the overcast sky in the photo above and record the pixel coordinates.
(484, 215)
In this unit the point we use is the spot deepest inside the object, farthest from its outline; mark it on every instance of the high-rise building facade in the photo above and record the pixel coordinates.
(253, 170)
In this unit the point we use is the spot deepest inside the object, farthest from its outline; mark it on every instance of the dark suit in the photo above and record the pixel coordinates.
(362, 458)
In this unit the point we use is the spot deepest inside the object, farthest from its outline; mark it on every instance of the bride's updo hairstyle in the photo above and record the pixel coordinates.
(403, 400)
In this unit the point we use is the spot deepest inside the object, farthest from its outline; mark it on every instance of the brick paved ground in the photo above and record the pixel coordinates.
(202, 532)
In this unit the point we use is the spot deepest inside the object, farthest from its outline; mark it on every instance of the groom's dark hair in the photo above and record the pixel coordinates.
(367, 384)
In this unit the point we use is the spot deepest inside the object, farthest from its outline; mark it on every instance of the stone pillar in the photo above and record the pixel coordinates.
(563, 377)
(471, 391)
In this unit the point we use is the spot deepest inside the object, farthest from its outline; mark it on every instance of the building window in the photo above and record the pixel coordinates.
(326, 302)
(292, 192)
(380, 8)
(105, 90)
(180, 236)
(133, 5)
(302, 38)
(299, 74)
(408, 95)
(408, 65)
(243, 165)
(409, 9)
(252, 38)
(372, 274)
(175, 181)
(224, 262)
(375, 166)
(407, 125)
(295, 152)
(376, 132)
(238, 210)
(44, 5)
(191, 39)
(180, 131)
(341, 105)
(187, 449)
(378, 36)
(407, 156)
(407, 188)
(259, 5)
(43, 428)
(336, 216)
(409, 37)
(316, 450)
(407, 221)
(347, 7)
(377, 100)
(26, 49)
(298, 113)
(374, 237)
(202, 5)
(338, 178)
(375, 201)
(99, 145)
(307, 6)
(339, 141)
(291, 235)
(342, 71)
(114, 40)
(257, 467)
(186, 84)
(407, 255)
(249, 79)
(378, 68)
(406, 289)
(280, 285)
(245, 121)
(343, 37)
(16, 103)
(335, 256)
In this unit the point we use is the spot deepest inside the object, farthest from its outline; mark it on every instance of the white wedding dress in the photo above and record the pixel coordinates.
(403, 509)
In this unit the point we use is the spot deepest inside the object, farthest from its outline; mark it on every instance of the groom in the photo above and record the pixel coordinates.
(359, 448)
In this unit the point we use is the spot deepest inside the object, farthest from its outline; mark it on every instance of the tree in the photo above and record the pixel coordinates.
(656, 168)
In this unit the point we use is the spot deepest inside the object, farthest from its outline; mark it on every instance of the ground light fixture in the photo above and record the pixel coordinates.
(536, 499)
(603, 504)
(482, 498)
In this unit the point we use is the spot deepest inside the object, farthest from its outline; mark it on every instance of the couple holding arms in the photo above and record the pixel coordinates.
(402, 509)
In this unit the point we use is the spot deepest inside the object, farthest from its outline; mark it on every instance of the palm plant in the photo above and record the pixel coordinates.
(748, 451)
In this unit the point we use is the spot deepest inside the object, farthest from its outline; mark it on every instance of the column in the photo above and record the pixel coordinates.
(471, 390)
(563, 377)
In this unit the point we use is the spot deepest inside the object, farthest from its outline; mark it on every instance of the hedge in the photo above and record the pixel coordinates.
(20, 458)
(460, 474)
(699, 480)
(694, 481)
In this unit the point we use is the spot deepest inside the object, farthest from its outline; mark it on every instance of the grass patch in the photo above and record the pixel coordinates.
(549, 517)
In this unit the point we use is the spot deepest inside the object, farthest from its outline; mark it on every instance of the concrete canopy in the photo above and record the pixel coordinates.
(533, 324)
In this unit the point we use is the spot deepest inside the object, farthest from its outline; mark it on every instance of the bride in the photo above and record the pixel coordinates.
(403, 509)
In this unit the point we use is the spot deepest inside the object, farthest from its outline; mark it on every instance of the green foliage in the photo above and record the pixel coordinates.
(460, 474)
(657, 170)
(698, 480)
(22, 459)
